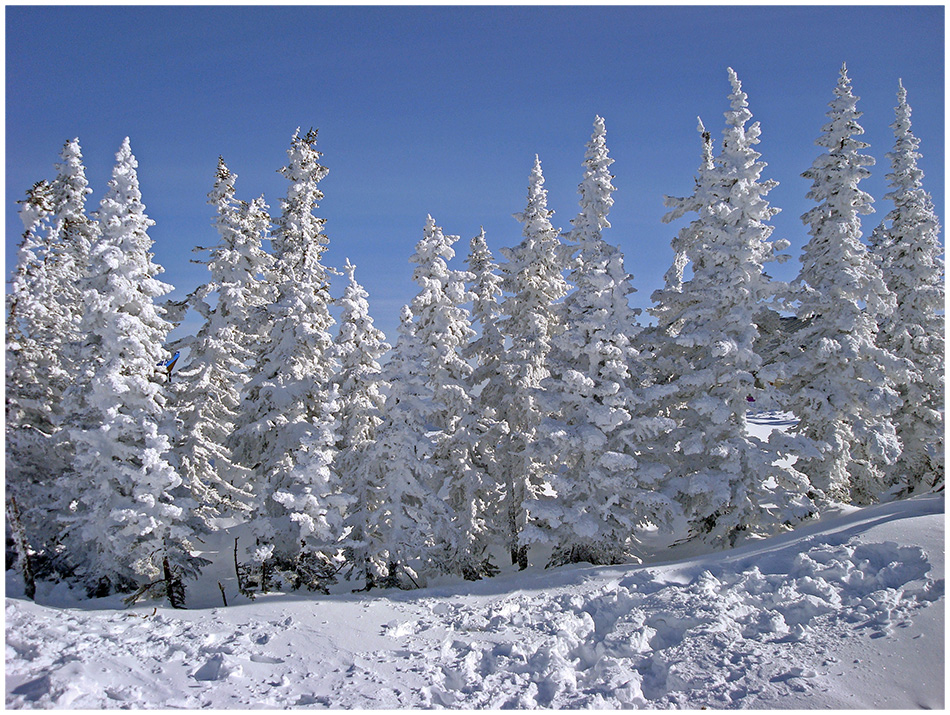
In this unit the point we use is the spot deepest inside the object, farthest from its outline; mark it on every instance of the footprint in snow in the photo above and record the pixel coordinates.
(216, 668)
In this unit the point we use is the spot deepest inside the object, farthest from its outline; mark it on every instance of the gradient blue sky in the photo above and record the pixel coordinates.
(441, 110)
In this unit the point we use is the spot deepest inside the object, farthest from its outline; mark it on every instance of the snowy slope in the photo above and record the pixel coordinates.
(848, 612)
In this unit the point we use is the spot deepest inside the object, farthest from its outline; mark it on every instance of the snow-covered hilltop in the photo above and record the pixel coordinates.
(844, 613)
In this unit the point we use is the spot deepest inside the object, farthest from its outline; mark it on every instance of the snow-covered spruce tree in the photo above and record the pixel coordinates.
(359, 347)
(835, 379)
(604, 485)
(28, 398)
(286, 433)
(72, 233)
(443, 330)
(726, 481)
(255, 221)
(906, 246)
(669, 302)
(61, 242)
(30, 458)
(56, 255)
(403, 511)
(125, 529)
(488, 385)
(207, 389)
(534, 281)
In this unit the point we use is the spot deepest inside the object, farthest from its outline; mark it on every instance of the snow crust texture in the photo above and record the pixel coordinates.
(639, 642)
(808, 618)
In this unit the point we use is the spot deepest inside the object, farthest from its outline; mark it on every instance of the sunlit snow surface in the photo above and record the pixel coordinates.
(845, 613)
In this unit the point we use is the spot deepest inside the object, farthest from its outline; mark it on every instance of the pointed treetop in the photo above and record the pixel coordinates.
(595, 188)
(124, 185)
(71, 186)
(734, 80)
(905, 176)
(434, 249)
(738, 113)
(479, 241)
(838, 134)
(902, 110)
(537, 206)
(599, 128)
(844, 83)
(597, 147)
(71, 149)
(537, 176)
(224, 180)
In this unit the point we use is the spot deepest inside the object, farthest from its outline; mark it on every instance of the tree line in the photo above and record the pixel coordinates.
(562, 427)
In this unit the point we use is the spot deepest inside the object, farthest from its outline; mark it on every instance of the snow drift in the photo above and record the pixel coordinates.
(847, 612)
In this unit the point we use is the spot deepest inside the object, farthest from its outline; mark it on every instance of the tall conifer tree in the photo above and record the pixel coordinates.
(836, 380)
(359, 346)
(443, 331)
(30, 403)
(719, 474)
(287, 431)
(404, 513)
(605, 484)
(125, 527)
(72, 234)
(907, 248)
(533, 278)
(208, 387)
(486, 428)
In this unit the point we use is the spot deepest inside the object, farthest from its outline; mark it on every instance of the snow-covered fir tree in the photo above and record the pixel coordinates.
(442, 331)
(835, 378)
(670, 302)
(603, 485)
(58, 237)
(207, 389)
(403, 511)
(488, 383)
(726, 481)
(906, 246)
(72, 234)
(359, 347)
(28, 304)
(30, 402)
(286, 432)
(49, 308)
(534, 282)
(125, 527)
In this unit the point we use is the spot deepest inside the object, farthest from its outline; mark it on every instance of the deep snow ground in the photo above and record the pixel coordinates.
(844, 613)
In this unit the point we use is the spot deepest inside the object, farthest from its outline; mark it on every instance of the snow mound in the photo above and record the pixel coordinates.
(844, 613)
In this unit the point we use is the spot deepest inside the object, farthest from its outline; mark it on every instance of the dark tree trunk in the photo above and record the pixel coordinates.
(22, 548)
(174, 588)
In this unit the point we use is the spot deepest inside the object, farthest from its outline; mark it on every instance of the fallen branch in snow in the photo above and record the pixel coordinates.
(140, 593)
(409, 575)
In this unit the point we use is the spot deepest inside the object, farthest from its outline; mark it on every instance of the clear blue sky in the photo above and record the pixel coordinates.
(441, 110)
